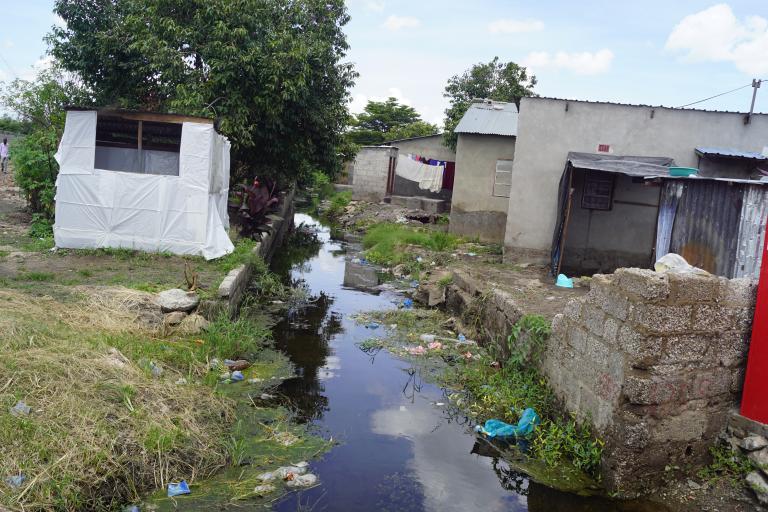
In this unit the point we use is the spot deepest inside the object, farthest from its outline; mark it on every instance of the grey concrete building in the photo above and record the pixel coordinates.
(484, 154)
(720, 144)
(370, 172)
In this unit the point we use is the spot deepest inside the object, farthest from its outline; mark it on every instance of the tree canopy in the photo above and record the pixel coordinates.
(271, 71)
(387, 120)
(499, 81)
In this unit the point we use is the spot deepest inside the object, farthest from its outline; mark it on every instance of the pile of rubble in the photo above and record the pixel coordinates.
(755, 447)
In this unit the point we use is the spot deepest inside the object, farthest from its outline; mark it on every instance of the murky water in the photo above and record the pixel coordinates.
(400, 448)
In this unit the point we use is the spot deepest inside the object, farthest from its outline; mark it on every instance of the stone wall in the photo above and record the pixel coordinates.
(370, 172)
(655, 362)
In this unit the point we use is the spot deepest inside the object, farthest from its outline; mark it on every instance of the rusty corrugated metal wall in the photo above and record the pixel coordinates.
(706, 229)
(749, 249)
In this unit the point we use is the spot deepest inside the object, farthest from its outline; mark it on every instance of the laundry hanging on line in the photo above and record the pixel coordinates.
(418, 169)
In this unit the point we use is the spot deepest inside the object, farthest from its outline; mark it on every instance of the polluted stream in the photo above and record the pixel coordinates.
(400, 447)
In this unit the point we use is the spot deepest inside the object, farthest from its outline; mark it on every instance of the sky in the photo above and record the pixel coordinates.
(656, 52)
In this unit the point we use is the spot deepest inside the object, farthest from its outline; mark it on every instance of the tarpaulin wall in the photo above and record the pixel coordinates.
(184, 214)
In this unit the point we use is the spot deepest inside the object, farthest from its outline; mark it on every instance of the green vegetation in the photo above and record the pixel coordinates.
(338, 202)
(727, 465)
(445, 281)
(384, 243)
(382, 121)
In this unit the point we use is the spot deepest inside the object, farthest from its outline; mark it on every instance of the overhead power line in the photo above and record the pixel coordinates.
(716, 95)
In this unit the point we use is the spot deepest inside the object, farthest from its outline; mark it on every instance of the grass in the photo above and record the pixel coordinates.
(104, 430)
(338, 201)
(385, 243)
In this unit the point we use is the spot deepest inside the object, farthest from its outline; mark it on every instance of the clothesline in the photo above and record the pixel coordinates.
(418, 169)
(428, 161)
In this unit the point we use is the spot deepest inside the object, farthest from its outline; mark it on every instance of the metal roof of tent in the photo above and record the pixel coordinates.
(731, 153)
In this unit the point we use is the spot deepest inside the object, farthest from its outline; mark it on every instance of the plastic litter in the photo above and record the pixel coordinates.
(675, 264)
(419, 259)
(178, 489)
(461, 338)
(372, 325)
(266, 396)
(417, 351)
(435, 345)
(564, 281)
(237, 376)
(408, 304)
(497, 429)
(307, 480)
(15, 481)
(20, 409)
(156, 370)
(427, 338)
(414, 284)
(263, 489)
(255, 381)
(283, 473)
(182, 381)
(471, 254)
(131, 508)
(225, 376)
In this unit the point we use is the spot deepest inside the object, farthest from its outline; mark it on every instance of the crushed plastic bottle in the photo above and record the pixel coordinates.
(21, 409)
(237, 376)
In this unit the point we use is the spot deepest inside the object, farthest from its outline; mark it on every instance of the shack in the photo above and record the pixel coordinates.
(145, 181)
(627, 211)
(484, 154)
(432, 147)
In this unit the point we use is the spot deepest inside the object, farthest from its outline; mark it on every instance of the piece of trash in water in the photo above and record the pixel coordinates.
(15, 481)
(282, 473)
(307, 480)
(414, 284)
(435, 345)
(355, 260)
(564, 281)
(372, 325)
(237, 376)
(499, 429)
(407, 303)
(417, 351)
(20, 409)
(427, 338)
(178, 489)
(263, 489)
(266, 396)
(439, 404)
(393, 326)
(182, 381)
(156, 370)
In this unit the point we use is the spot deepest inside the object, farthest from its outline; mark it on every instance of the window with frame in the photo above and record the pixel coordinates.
(598, 191)
(502, 182)
(137, 146)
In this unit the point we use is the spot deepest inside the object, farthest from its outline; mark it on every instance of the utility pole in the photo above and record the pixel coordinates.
(755, 86)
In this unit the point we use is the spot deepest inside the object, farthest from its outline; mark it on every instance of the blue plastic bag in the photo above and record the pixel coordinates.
(372, 325)
(564, 281)
(408, 304)
(237, 376)
(15, 481)
(177, 489)
(497, 429)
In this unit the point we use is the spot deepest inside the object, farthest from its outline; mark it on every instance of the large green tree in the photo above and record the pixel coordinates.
(387, 120)
(499, 81)
(271, 71)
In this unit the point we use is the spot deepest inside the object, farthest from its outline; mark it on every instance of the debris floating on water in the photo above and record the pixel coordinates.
(372, 325)
(307, 480)
(263, 489)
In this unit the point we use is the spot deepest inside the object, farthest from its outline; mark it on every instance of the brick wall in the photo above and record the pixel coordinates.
(654, 361)
(369, 175)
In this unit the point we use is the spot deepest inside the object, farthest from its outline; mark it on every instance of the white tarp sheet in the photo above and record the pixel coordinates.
(184, 214)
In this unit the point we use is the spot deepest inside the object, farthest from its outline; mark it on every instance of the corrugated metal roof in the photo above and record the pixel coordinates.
(638, 166)
(731, 153)
(490, 118)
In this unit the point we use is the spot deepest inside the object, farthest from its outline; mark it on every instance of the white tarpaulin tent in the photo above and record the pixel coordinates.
(130, 190)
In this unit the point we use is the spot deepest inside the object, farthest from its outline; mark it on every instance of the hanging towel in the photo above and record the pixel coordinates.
(429, 177)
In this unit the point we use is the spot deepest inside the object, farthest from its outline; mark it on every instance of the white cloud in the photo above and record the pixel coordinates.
(582, 63)
(59, 21)
(715, 34)
(400, 22)
(40, 65)
(359, 101)
(375, 5)
(510, 26)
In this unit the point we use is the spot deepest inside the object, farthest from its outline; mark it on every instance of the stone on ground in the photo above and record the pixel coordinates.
(193, 324)
(760, 458)
(759, 484)
(754, 442)
(175, 318)
(177, 300)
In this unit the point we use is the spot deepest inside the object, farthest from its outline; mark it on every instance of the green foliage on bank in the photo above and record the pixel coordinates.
(385, 243)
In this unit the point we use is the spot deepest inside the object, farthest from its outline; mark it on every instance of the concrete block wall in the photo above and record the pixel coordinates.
(655, 362)
(369, 175)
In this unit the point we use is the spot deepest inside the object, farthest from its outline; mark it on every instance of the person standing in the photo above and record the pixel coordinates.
(4, 156)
